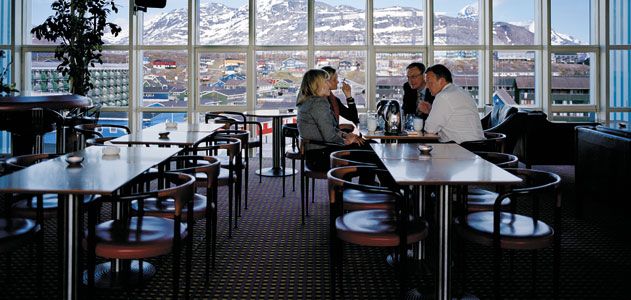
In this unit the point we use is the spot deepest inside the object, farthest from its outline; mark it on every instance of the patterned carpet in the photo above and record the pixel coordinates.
(271, 255)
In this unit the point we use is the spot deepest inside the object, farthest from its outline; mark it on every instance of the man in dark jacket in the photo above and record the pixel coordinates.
(415, 91)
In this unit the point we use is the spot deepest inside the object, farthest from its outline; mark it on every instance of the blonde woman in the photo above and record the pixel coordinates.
(317, 122)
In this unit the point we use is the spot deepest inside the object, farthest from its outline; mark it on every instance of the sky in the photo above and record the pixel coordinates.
(564, 20)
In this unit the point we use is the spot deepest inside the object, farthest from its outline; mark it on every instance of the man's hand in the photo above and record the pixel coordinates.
(424, 107)
(346, 88)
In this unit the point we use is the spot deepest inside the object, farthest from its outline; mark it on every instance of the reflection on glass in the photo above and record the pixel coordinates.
(571, 78)
(281, 22)
(620, 78)
(153, 118)
(5, 23)
(340, 24)
(456, 22)
(620, 22)
(166, 26)
(223, 22)
(513, 22)
(398, 22)
(278, 77)
(571, 26)
(222, 79)
(350, 66)
(514, 72)
(165, 78)
(391, 73)
(464, 66)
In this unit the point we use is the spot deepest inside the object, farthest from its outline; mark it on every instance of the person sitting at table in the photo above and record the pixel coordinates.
(415, 90)
(454, 114)
(316, 121)
(338, 108)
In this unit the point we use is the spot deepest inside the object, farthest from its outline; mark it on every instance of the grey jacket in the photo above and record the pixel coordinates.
(316, 122)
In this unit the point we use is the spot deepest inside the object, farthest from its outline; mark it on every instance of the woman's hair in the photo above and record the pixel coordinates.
(309, 85)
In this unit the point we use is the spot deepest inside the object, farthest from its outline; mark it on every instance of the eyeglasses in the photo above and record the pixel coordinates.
(414, 76)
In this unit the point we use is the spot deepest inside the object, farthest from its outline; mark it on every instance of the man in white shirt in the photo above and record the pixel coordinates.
(454, 114)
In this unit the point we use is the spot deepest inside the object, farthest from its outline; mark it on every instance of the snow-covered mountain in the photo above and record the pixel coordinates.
(282, 22)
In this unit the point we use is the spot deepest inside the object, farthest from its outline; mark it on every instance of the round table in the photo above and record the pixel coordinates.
(277, 116)
(23, 116)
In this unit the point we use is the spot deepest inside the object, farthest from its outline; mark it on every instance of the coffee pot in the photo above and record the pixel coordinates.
(390, 111)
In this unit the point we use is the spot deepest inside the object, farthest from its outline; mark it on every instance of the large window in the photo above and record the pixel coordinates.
(223, 22)
(278, 76)
(234, 62)
(281, 22)
(456, 22)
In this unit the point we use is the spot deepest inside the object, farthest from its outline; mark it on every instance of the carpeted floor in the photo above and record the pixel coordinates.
(271, 255)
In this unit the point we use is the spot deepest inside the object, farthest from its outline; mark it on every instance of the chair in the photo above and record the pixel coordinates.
(26, 206)
(376, 227)
(227, 176)
(91, 134)
(241, 122)
(511, 230)
(241, 166)
(140, 237)
(355, 199)
(481, 199)
(306, 173)
(290, 130)
(493, 142)
(206, 172)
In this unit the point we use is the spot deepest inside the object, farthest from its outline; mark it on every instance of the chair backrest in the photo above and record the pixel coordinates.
(493, 142)
(194, 164)
(354, 158)
(534, 186)
(502, 160)
(177, 186)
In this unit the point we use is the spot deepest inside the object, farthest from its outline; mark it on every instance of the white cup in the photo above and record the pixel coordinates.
(371, 123)
(418, 124)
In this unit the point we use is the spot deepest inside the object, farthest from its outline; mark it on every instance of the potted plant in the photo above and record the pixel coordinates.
(78, 26)
(6, 89)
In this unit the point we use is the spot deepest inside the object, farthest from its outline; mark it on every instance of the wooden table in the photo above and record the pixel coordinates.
(277, 116)
(405, 137)
(448, 165)
(97, 174)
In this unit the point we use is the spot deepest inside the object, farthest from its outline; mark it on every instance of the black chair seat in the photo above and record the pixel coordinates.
(293, 154)
(15, 231)
(376, 227)
(153, 238)
(479, 199)
(27, 208)
(358, 200)
(166, 208)
(517, 231)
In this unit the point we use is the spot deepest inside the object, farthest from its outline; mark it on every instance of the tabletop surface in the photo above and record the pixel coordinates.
(270, 113)
(413, 135)
(97, 174)
(185, 127)
(51, 101)
(446, 164)
(152, 137)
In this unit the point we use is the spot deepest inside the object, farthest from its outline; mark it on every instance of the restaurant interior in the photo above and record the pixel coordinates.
(154, 149)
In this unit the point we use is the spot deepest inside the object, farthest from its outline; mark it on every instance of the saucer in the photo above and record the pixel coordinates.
(74, 160)
(425, 149)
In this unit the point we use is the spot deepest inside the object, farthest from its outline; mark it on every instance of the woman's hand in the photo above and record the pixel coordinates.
(352, 138)
(346, 88)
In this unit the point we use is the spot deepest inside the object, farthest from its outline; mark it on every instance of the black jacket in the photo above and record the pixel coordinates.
(349, 113)
(409, 100)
